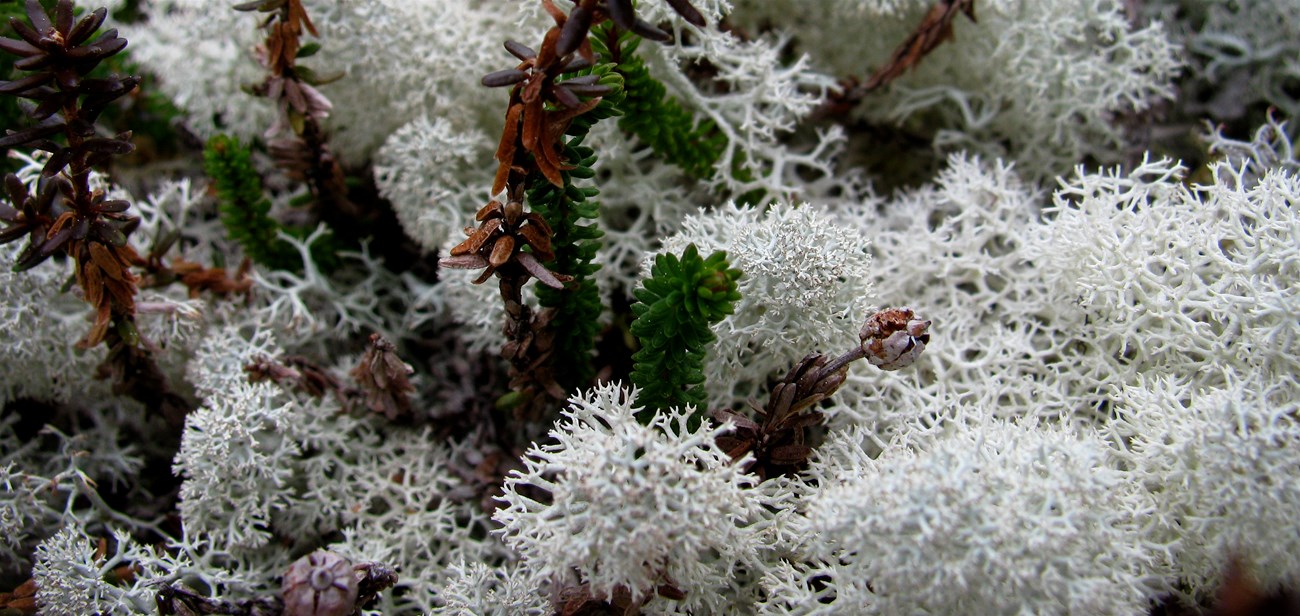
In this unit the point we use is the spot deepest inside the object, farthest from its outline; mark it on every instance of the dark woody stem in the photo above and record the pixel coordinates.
(518, 315)
(840, 362)
(326, 179)
(528, 349)
(136, 374)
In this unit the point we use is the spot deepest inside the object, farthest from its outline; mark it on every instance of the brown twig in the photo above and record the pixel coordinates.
(890, 339)
(933, 30)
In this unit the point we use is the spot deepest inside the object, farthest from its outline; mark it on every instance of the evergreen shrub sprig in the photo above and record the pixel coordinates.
(571, 212)
(677, 303)
(245, 210)
(549, 99)
(66, 214)
(671, 130)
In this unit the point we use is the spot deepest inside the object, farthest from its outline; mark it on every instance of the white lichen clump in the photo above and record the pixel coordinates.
(806, 286)
(682, 505)
(1106, 414)
(990, 518)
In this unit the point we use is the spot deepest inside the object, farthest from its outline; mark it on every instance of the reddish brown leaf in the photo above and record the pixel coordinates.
(463, 262)
(546, 53)
(103, 317)
(549, 163)
(545, 276)
(22, 600)
(475, 241)
(298, 16)
(540, 242)
(554, 11)
(502, 250)
(101, 257)
(92, 283)
(483, 212)
(532, 124)
(790, 454)
(506, 150)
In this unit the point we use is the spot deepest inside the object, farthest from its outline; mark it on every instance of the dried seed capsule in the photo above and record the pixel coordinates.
(319, 584)
(894, 338)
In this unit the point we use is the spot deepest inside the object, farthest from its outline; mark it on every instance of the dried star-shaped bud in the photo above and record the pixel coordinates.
(894, 338)
(383, 376)
(320, 584)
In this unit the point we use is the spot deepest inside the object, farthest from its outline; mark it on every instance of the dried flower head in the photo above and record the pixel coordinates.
(500, 239)
(894, 338)
(383, 376)
(320, 584)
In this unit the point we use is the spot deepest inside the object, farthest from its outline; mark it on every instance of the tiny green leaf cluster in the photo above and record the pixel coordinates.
(571, 212)
(677, 304)
(245, 210)
(670, 129)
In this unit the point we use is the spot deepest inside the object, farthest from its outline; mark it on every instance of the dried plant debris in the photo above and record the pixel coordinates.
(1240, 595)
(890, 339)
(579, 600)
(933, 30)
(178, 600)
(384, 378)
(297, 372)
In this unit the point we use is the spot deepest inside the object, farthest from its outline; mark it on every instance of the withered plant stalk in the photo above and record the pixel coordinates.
(66, 215)
(302, 151)
(531, 149)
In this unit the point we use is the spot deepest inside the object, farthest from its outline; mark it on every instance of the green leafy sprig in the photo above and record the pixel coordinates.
(245, 210)
(677, 304)
(671, 130)
(571, 212)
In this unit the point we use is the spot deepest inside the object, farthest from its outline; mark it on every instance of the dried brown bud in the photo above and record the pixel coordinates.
(372, 579)
(383, 376)
(894, 338)
(319, 584)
